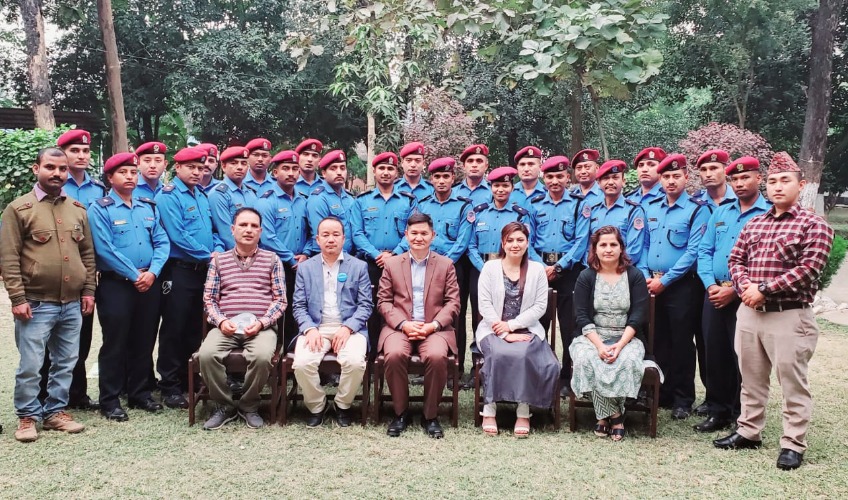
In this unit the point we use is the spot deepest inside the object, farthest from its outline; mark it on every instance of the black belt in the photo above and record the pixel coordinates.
(781, 306)
(117, 276)
(489, 256)
(194, 266)
(552, 257)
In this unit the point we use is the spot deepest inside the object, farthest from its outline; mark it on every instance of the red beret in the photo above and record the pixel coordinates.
(334, 156)
(387, 157)
(186, 155)
(555, 164)
(413, 148)
(444, 164)
(75, 136)
(656, 154)
(531, 151)
(120, 160)
(287, 156)
(611, 167)
(475, 149)
(233, 153)
(151, 148)
(586, 155)
(311, 145)
(502, 174)
(258, 143)
(713, 156)
(782, 162)
(672, 162)
(211, 149)
(744, 164)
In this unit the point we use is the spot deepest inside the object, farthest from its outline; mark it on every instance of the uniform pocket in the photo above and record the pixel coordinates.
(678, 236)
(42, 235)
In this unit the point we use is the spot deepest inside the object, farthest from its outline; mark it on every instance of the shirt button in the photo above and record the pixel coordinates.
(66, 258)
(58, 221)
(67, 278)
(62, 240)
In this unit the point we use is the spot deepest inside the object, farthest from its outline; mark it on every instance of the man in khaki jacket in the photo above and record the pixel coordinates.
(47, 259)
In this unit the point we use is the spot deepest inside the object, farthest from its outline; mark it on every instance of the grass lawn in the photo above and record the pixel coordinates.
(160, 456)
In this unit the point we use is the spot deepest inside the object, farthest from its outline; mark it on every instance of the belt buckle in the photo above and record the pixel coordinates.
(657, 274)
(761, 308)
(551, 258)
(726, 283)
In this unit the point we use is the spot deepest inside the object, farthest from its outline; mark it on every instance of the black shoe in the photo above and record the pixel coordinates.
(789, 459)
(334, 379)
(702, 410)
(432, 428)
(565, 391)
(398, 425)
(317, 419)
(681, 413)
(343, 417)
(712, 424)
(736, 442)
(86, 403)
(467, 382)
(149, 405)
(116, 414)
(175, 401)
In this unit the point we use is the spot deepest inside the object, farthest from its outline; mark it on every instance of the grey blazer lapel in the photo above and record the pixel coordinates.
(344, 266)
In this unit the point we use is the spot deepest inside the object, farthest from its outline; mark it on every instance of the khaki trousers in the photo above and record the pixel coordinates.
(786, 341)
(351, 359)
(258, 351)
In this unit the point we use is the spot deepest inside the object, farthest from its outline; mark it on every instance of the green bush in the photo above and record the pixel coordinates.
(837, 255)
(18, 149)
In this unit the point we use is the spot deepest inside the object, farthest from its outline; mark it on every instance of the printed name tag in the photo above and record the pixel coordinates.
(120, 222)
(191, 209)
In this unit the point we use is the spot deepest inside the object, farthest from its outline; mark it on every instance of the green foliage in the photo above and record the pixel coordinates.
(18, 149)
(834, 261)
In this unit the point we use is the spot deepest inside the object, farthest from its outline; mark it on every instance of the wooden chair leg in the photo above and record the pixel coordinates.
(192, 398)
(572, 412)
(379, 378)
(284, 396)
(366, 393)
(274, 382)
(478, 417)
(556, 408)
(455, 395)
(655, 403)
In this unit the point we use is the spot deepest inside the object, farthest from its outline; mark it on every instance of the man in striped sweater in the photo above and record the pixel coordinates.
(244, 296)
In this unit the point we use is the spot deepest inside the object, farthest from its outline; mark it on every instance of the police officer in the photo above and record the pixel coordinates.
(151, 166)
(558, 230)
(208, 180)
(331, 198)
(585, 173)
(676, 223)
(711, 167)
(528, 162)
(284, 225)
(231, 194)
(650, 187)
(475, 162)
(259, 154)
(309, 154)
(721, 300)
(185, 214)
(131, 248)
(412, 161)
(379, 222)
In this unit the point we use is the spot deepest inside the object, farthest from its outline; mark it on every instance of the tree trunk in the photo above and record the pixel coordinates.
(814, 138)
(37, 71)
(371, 144)
(596, 106)
(577, 116)
(113, 77)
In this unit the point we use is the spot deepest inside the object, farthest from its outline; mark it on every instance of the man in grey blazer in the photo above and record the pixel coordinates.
(333, 318)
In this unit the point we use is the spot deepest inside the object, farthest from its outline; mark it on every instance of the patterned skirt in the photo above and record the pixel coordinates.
(591, 374)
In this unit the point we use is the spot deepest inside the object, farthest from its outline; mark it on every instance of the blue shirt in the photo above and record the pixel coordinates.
(304, 188)
(523, 199)
(324, 201)
(592, 196)
(144, 191)
(643, 199)
(675, 233)
(379, 223)
(284, 224)
(704, 195)
(486, 236)
(421, 191)
(419, 272)
(212, 183)
(479, 195)
(128, 238)
(723, 229)
(188, 221)
(86, 193)
(224, 201)
(258, 187)
(559, 227)
(452, 224)
(629, 217)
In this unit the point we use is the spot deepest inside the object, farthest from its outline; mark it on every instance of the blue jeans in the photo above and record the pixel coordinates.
(54, 327)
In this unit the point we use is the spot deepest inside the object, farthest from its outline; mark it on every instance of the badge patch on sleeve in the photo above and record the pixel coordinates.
(587, 211)
(638, 223)
(471, 217)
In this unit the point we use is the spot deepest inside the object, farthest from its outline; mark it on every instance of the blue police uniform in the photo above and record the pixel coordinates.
(284, 224)
(379, 223)
(628, 216)
(86, 193)
(187, 219)
(224, 201)
(304, 188)
(486, 238)
(523, 199)
(643, 199)
(144, 191)
(704, 195)
(421, 191)
(592, 197)
(479, 195)
(208, 189)
(452, 224)
(323, 202)
(558, 229)
(675, 233)
(258, 187)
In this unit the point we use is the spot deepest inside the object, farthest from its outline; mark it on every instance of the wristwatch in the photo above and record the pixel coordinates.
(436, 326)
(763, 288)
(558, 269)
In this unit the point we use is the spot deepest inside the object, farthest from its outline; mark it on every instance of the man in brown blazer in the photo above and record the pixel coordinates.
(419, 301)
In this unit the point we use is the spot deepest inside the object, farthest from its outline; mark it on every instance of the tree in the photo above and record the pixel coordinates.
(113, 77)
(37, 70)
(736, 141)
(440, 122)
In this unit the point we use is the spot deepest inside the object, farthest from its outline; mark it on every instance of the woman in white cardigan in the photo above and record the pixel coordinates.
(519, 365)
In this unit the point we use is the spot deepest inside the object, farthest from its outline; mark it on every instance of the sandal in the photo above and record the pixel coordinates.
(490, 428)
(602, 428)
(617, 434)
(521, 430)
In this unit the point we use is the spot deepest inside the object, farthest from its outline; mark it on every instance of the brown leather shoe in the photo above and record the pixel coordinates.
(62, 421)
(26, 432)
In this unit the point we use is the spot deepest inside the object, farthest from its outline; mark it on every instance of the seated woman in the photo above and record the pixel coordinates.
(519, 365)
(610, 310)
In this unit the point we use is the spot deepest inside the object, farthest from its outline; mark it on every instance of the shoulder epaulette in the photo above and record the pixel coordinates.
(349, 193)
(79, 204)
(697, 201)
(270, 192)
(169, 187)
(631, 192)
(105, 201)
(363, 193)
(596, 205)
(407, 194)
(23, 206)
(98, 183)
(656, 200)
(519, 210)
(221, 187)
(631, 202)
(145, 199)
(425, 198)
(462, 198)
(318, 190)
(537, 198)
(726, 201)
(249, 188)
(577, 195)
(479, 208)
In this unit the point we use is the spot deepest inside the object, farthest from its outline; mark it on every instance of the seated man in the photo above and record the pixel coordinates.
(334, 318)
(419, 301)
(243, 280)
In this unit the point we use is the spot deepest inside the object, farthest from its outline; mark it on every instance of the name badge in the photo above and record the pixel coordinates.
(372, 209)
(150, 218)
(119, 222)
(192, 208)
(238, 205)
(284, 209)
(719, 223)
(334, 206)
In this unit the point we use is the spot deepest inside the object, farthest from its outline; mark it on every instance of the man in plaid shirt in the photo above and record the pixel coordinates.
(775, 267)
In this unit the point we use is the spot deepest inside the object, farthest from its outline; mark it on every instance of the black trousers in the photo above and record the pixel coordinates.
(723, 379)
(375, 322)
(700, 336)
(79, 382)
(129, 320)
(674, 348)
(467, 276)
(564, 286)
(182, 328)
(288, 325)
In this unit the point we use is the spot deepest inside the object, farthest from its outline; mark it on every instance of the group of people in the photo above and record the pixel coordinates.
(279, 255)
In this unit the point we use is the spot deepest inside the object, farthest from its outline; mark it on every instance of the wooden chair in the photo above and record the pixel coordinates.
(235, 362)
(477, 360)
(650, 387)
